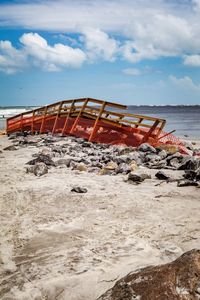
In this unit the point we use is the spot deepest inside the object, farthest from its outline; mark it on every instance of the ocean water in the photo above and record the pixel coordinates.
(184, 119)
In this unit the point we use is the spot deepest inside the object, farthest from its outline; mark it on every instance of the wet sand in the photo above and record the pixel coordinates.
(56, 244)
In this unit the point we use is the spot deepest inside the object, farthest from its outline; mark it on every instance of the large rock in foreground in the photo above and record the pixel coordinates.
(179, 280)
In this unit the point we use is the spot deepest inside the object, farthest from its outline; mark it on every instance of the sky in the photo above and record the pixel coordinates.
(137, 52)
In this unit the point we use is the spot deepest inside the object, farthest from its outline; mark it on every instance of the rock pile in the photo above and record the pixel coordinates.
(79, 154)
(179, 280)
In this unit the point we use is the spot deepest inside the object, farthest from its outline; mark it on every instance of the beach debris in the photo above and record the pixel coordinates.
(162, 176)
(178, 280)
(78, 189)
(10, 148)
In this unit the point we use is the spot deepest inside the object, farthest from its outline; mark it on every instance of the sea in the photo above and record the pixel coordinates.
(185, 119)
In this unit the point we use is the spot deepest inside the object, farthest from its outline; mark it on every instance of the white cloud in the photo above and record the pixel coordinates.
(105, 30)
(192, 60)
(35, 50)
(151, 29)
(11, 59)
(185, 83)
(132, 71)
(99, 45)
(54, 57)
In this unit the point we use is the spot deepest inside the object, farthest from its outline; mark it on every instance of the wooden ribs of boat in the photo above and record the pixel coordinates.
(93, 119)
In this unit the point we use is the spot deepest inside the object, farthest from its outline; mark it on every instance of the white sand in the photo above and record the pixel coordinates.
(59, 245)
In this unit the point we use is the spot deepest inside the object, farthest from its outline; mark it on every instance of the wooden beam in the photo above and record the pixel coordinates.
(43, 119)
(57, 116)
(67, 118)
(96, 122)
(79, 115)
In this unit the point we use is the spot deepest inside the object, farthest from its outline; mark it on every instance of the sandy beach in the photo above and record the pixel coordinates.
(56, 244)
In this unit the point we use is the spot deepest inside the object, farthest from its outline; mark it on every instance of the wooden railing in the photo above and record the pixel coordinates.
(89, 108)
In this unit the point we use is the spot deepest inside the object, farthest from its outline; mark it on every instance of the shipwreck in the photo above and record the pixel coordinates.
(94, 120)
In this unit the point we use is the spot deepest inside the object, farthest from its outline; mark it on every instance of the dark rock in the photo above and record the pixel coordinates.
(10, 148)
(162, 176)
(192, 175)
(122, 159)
(186, 183)
(14, 135)
(146, 148)
(86, 144)
(78, 189)
(63, 161)
(137, 178)
(42, 158)
(123, 168)
(178, 280)
(38, 169)
(188, 163)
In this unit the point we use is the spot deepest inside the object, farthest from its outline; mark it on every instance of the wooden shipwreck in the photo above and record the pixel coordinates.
(95, 120)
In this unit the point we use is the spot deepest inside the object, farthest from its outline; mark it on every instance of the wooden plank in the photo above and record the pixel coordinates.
(32, 125)
(78, 116)
(96, 122)
(67, 118)
(57, 116)
(43, 120)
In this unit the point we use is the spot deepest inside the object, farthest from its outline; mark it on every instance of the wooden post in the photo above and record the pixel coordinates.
(140, 121)
(146, 137)
(57, 116)
(160, 129)
(21, 122)
(96, 122)
(43, 119)
(67, 118)
(79, 115)
(32, 125)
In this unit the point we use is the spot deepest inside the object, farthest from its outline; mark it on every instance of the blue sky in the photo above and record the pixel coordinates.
(134, 52)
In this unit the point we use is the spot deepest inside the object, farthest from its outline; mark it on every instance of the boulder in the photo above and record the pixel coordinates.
(80, 167)
(170, 149)
(63, 161)
(162, 176)
(178, 280)
(111, 165)
(78, 189)
(123, 169)
(145, 147)
(105, 171)
(46, 159)
(137, 178)
(38, 169)
(10, 148)
(186, 182)
(133, 166)
(162, 154)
